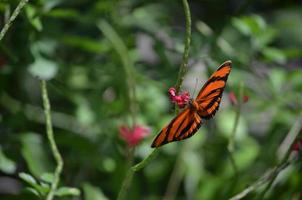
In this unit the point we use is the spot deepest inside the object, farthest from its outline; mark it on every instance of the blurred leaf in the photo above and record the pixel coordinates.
(86, 44)
(67, 191)
(204, 28)
(193, 173)
(249, 25)
(273, 54)
(43, 69)
(34, 154)
(33, 17)
(33, 191)
(6, 165)
(225, 124)
(277, 79)
(93, 193)
(47, 177)
(247, 153)
(35, 188)
(64, 13)
(28, 178)
(84, 112)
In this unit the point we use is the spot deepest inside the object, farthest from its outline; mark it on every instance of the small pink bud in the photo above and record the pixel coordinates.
(181, 100)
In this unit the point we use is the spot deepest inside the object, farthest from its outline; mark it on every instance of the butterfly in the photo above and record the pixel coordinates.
(206, 104)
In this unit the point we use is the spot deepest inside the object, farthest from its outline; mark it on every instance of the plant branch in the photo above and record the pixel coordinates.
(16, 12)
(177, 173)
(268, 176)
(129, 176)
(51, 139)
(184, 65)
(128, 66)
(272, 174)
(231, 145)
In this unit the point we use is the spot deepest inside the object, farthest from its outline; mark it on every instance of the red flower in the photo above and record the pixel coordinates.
(135, 135)
(245, 98)
(297, 146)
(181, 100)
(233, 98)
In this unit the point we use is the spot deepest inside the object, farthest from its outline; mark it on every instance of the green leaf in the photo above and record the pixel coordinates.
(33, 191)
(28, 178)
(47, 177)
(33, 18)
(34, 154)
(225, 124)
(64, 13)
(67, 191)
(273, 54)
(44, 69)
(35, 186)
(84, 43)
(93, 193)
(6, 165)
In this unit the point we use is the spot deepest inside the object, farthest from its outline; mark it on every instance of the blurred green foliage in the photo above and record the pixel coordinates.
(89, 50)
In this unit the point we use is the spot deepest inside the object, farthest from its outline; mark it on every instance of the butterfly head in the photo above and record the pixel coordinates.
(193, 104)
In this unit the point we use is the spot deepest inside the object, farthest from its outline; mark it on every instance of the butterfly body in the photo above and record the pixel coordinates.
(207, 102)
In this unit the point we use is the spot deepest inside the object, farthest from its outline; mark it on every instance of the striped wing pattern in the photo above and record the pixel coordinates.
(187, 122)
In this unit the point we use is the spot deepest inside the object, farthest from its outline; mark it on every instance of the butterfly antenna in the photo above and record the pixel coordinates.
(196, 82)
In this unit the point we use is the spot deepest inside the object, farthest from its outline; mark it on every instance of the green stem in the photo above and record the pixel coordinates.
(16, 12)
(231, 145)
(177, 173)
(126, 184)
(51, 139)
(184, 65)
(129, 176)
(144, 162)
(271, 175)
(128, 66)
(295, 131)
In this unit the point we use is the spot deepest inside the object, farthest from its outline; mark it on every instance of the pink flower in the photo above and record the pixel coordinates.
(181, 100)
(233, 98)
(297, 146)
(135, 135)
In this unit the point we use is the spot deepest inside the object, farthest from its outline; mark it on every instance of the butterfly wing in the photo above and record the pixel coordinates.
(186, 123)
(183, 126)
(209, 97)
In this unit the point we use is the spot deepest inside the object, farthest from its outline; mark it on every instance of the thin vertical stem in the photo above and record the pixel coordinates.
(16, 12)
(184, 65)
(177, 173)
(51, 139)
(128, 66)
(231, 145)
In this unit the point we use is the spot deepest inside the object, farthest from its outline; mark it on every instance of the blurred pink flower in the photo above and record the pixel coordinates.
(181, 100)
(297, 146)
(233, 98)
(135, 135)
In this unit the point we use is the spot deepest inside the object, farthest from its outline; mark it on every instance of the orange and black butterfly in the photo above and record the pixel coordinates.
(186, 123)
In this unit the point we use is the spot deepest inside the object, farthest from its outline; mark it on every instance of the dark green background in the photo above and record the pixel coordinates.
(62, 41)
